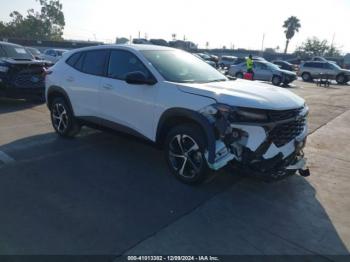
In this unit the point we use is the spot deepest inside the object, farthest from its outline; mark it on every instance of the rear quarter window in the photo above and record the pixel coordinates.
(72, 60)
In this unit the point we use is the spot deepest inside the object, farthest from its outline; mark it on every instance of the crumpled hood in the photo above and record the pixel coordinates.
(245, 93)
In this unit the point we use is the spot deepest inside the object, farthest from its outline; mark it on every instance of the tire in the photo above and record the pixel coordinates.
(184, 151)
(341, 79)
(239, 75)
(276, 80)
(222, 66)
(62, 118)
(306, 77)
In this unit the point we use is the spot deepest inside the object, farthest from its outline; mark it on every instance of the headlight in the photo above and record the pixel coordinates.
(246, 115)
(234, 114)
(4, 69)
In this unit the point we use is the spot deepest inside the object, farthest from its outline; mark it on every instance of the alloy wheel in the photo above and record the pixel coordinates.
(59, 117)
(185, 156)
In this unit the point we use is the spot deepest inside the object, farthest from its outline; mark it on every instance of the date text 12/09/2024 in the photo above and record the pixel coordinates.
(173, 258)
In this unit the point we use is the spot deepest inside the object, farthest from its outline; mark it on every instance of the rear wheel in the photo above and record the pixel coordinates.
(306, 77)
(62, 118)
(276, 80)
(184, 151)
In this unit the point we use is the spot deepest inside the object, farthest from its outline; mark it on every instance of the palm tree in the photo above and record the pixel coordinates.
(291, 25)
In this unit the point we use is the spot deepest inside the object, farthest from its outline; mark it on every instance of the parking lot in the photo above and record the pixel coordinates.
(103, 193)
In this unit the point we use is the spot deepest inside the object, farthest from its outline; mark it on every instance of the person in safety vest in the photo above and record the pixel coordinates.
(250, 65)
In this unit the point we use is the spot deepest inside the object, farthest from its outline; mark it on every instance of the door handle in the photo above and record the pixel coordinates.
(70, 79)
(107, 86)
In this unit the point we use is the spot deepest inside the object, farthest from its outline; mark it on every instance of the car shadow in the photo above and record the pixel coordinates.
(102, 194)
(8, 105)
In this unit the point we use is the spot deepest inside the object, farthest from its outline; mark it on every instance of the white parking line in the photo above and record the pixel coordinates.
(5, 158)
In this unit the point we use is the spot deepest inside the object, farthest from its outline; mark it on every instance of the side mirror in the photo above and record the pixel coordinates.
(139, 78)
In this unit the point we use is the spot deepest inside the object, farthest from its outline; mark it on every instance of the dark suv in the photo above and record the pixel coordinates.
(21, 76)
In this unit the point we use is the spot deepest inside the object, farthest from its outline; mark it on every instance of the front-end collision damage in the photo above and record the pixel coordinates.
(268, 142)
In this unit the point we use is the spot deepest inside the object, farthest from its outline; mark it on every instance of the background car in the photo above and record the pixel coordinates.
(227, 61)
(206, 58)
(314, 69)
(285, 65)
(35, 52)
(53, 55)
(21, 76)
(265, 71)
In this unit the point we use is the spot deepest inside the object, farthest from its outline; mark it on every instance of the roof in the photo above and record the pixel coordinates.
(7, 43)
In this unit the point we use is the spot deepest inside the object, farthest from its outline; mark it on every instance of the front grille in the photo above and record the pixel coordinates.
(284, 133)
(284, 114)
(29, 79)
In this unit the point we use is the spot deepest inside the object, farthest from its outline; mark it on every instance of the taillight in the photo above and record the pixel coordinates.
(46, 71)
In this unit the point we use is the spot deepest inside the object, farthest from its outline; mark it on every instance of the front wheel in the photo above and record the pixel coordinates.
(62, 118)
(341, 79)
(184, 151)
(276, 80)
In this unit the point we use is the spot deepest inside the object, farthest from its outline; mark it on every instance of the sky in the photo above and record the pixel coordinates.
(240, 24)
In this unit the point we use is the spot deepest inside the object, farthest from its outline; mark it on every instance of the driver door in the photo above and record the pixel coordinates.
(128, 106)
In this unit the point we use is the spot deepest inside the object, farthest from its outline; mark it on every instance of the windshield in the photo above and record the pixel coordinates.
(335, 66)
(16, 52)
(273, 66)
(181, 67)
(33, 51)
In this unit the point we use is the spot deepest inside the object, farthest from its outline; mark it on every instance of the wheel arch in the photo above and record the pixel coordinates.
(56, 91)
(176, 116)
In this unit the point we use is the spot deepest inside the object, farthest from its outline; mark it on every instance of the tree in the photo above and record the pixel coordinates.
(291, 25)
(316, 47)
(48, 24)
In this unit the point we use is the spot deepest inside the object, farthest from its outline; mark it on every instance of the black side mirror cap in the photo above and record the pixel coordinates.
(139, 78)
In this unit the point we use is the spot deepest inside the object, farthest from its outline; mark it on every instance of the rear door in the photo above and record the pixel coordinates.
(82, 80)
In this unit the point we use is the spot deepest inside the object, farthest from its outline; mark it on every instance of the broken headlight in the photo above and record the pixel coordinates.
(249, 115)
(234, 114)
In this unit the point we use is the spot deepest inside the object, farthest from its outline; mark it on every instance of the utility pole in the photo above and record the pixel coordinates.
(333, 39)
(262, 43)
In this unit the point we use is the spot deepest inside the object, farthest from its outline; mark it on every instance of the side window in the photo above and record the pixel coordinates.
(72, 60)
(2, 52)
(327, 66)
(122, 63)
(95, 62)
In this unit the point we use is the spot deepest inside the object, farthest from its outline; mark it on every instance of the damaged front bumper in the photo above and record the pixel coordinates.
(271, 149)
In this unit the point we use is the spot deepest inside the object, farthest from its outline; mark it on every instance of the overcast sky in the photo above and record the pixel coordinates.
(220, 22)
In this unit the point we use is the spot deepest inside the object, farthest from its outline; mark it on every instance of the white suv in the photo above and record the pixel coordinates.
(203, 120)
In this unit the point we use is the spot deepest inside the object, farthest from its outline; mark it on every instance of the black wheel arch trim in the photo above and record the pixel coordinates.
(61, 91)
(197, 118)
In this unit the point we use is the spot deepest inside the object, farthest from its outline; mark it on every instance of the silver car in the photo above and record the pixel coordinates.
(315, 69)
(264, 71)
(53, 55)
